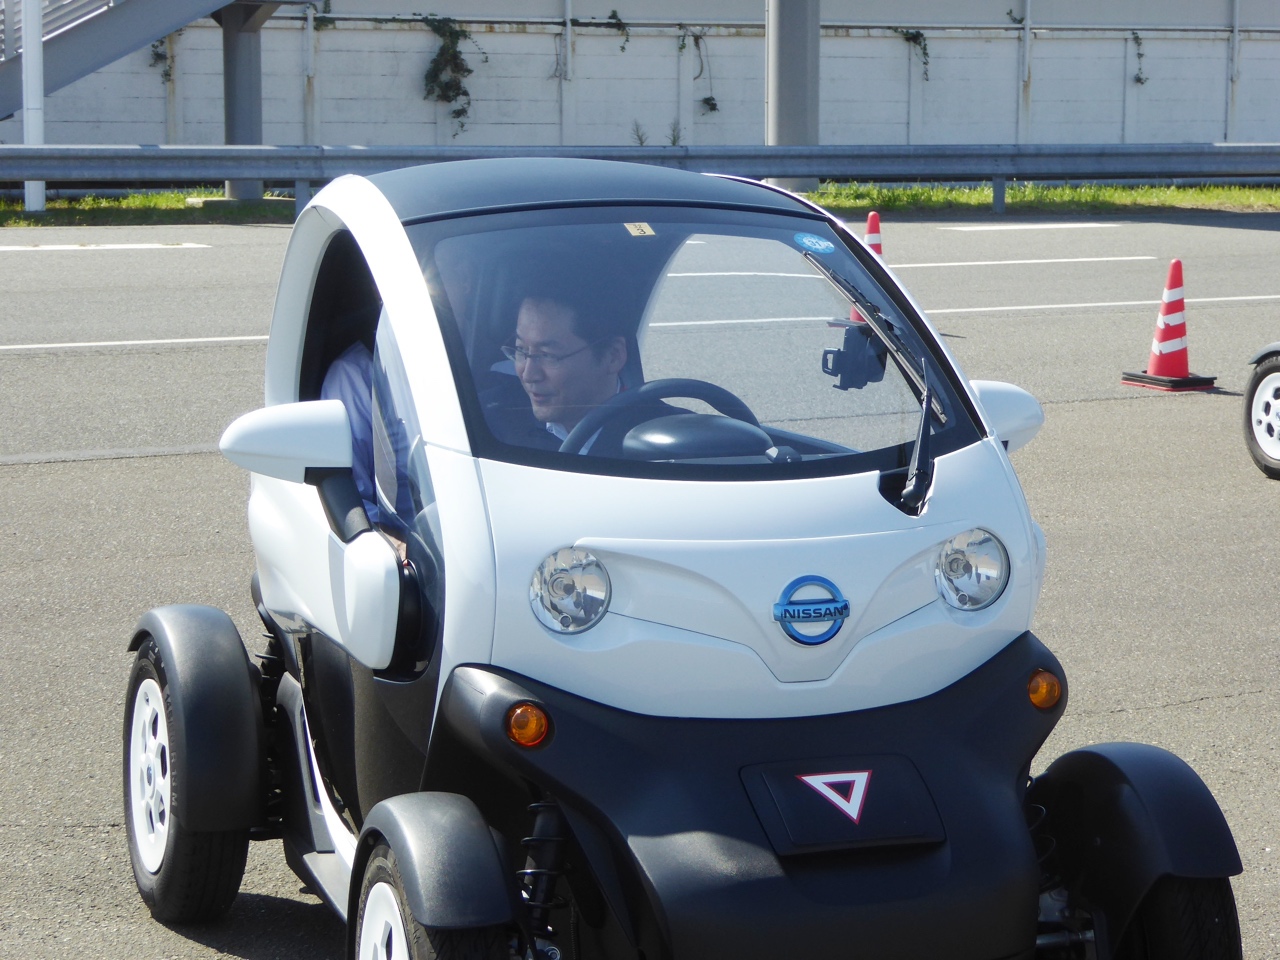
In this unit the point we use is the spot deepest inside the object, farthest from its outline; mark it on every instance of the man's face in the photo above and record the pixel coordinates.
(564, 391)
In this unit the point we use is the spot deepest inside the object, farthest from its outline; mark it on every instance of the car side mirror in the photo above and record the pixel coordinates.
(306, 442)
(287, 440)
(1014, 415)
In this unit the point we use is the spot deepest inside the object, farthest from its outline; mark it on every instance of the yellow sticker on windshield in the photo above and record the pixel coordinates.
(639, 229)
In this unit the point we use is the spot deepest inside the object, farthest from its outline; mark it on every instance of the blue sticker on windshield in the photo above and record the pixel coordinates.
(815, 243)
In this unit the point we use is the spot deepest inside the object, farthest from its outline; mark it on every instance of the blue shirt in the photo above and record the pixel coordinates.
(350, 379)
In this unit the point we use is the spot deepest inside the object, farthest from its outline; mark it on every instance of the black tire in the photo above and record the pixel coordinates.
(1181, 919)
(183, 876)
(1262, 416)
(383, 906)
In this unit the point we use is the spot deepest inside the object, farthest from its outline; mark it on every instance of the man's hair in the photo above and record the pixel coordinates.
(588, 323)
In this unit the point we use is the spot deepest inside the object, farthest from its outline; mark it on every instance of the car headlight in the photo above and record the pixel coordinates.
(973, 569)
(570, 591)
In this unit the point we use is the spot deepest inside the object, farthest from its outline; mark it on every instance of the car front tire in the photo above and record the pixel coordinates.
(183, 876)
(387, 930)
(1262, 416)
(1184, 919)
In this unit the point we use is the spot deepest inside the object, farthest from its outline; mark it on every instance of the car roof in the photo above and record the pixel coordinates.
(468, 186)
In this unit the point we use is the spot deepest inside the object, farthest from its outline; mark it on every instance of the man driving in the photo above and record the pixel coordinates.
(568, 362)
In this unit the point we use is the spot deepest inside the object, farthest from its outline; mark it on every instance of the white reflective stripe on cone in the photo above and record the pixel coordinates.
(1171, 319)
(1172, 295)
(1169, 346)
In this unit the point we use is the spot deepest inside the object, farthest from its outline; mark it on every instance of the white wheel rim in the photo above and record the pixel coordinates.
(382, 932)
(149, 775)
(1265, 416)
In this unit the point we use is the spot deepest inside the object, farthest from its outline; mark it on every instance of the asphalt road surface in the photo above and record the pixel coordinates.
(1159, 599)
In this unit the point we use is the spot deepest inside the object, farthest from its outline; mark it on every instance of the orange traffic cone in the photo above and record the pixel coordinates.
(872, 238)
(1168, 367)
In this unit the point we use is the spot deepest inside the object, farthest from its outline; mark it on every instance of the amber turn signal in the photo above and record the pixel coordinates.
(1044, 689)
(527, 724)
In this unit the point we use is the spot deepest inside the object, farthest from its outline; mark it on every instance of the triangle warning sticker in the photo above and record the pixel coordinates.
(846, 791)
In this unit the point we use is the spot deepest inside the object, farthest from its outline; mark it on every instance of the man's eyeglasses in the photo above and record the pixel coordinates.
(520, 356)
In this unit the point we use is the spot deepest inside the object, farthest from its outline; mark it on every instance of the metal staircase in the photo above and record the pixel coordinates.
(81, 36)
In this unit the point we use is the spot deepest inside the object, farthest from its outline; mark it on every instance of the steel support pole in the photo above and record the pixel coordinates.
(241, 89)
(33, 93)
(793, 29)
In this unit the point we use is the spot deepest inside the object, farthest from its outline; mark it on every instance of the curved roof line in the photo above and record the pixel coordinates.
(470, 186)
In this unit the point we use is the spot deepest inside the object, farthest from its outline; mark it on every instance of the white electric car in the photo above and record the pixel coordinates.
(662, 589)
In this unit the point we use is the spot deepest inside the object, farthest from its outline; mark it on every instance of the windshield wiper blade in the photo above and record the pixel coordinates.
(902, 355)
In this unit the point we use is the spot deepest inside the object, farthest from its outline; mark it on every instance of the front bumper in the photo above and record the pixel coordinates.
(674, 820)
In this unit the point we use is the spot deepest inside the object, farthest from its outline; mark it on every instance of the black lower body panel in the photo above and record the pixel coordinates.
(897, 833)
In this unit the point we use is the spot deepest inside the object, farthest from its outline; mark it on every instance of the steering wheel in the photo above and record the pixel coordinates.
(717, 397)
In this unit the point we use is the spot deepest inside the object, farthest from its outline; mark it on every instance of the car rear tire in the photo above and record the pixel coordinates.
(387, 930)
(183, 876)
(1182, 919)
(1262, 416)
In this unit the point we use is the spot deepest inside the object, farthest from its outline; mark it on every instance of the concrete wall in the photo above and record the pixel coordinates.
(358, 79)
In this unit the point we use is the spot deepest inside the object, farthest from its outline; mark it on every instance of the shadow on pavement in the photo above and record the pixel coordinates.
(263, 927)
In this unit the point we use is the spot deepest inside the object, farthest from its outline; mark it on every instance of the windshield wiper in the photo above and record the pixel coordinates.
(902, 355)
(920, 473)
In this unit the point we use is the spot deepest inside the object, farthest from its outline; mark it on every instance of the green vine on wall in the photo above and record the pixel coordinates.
(917, 39)
(160, 56)
(700, 46)
(446, 74)
(1139, 77)
(623, 28)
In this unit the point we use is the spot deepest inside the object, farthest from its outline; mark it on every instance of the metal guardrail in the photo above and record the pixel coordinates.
(305, 165)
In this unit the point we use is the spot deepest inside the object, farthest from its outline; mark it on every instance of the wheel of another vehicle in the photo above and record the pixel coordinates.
(386, 928)
(183, 876)
(1262, 416)
(1181, 919)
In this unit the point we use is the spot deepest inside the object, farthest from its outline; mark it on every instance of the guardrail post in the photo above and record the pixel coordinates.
(301, 196)
(997, 194)
(33, 95)
(793, 34)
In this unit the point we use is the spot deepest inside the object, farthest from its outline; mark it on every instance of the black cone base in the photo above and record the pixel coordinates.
(1171, 384)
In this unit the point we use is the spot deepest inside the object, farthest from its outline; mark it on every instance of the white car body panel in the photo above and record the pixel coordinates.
(470, 583)
(348, 592)
(690, 629)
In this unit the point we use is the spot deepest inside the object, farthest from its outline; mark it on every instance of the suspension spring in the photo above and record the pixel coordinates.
(543, 866)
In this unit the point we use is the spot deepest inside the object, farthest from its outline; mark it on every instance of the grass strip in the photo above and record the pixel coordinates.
(842, 199)
(135, 209)
(847, 198)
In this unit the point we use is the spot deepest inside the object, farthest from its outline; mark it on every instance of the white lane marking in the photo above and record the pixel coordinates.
(104, 246)
(1032, 226)
(747, 273)
(716, 323)
(1005, 263)
(128, 343)
(675, 323)
(1115, 303)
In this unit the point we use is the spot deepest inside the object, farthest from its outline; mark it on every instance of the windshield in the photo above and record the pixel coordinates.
(678, 341)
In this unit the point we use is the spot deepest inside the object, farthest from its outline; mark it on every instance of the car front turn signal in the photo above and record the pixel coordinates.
(527, 724)
(1044, 689)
